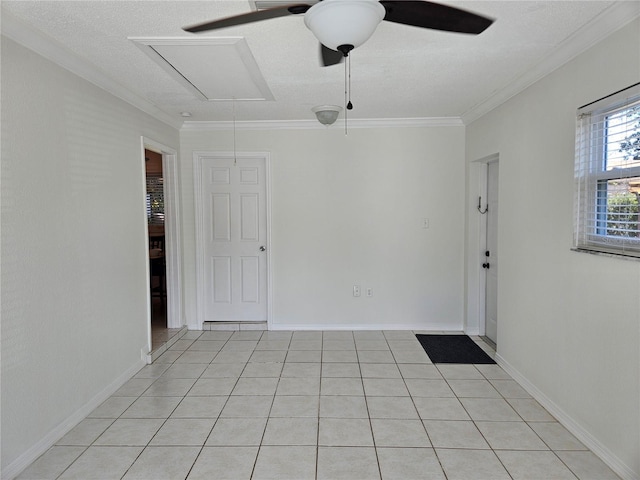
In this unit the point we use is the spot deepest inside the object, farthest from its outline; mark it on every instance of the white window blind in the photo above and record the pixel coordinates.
(155, 200)
(607, 174)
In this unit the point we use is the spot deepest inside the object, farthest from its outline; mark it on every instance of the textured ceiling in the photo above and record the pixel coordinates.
(401, 72)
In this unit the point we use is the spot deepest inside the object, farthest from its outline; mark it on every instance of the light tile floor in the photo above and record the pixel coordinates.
(316, 405)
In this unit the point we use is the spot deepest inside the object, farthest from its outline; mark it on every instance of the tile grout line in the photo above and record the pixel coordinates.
(204, 443)
(264, 431)
(373, 440)
(319, 405)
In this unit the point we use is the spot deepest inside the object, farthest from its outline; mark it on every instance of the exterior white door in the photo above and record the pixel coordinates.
(233, 238)
(491, 255)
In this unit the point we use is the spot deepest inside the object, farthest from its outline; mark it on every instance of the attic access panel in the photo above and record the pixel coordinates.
(214, 69)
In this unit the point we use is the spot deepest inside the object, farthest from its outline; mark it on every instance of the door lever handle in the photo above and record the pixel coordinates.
(262, 248)
(486, 265)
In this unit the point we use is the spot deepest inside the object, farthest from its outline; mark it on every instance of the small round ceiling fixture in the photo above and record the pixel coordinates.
(327, 114)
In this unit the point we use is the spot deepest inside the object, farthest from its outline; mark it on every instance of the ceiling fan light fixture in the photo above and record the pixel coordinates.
(327, 114)
(344, 22)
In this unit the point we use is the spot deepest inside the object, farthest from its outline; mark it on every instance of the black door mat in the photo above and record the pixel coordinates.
(453, 349)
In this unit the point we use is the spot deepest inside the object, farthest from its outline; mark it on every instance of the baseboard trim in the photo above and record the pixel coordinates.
(592, 443)
(431, 327)
(234, 326)
(32, 454)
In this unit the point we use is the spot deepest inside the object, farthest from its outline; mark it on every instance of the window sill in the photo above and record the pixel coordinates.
(619, 256)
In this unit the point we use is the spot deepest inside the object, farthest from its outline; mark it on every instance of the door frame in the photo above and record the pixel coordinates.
(476, 245)
(200, 228)
(175, 317)
(493, 258)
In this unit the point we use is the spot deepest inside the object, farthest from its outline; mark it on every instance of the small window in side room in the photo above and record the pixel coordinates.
(155, 200)
(155, 188)
(607, 174)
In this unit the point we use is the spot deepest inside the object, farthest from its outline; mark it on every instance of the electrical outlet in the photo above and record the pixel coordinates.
(356, 290)
(369, 292)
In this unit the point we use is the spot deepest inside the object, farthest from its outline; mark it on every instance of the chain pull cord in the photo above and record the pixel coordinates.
(346, 95)
(349, 105)
(345, 49)
(235, 158)
(347, 90)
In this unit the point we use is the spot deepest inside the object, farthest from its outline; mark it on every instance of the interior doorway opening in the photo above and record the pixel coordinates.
(165, 319)
(157, 260)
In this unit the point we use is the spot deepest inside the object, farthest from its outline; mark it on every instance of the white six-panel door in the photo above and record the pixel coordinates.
(232, 237)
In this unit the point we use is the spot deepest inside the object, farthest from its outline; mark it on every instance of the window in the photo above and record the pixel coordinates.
(607, 168)
(155, 200)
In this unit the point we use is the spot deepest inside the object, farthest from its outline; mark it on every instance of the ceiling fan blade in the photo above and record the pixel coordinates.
(250, 17)
(329, 57)
(419, 13)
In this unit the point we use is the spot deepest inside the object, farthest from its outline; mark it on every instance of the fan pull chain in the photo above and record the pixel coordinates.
(349, 105)
(347, 90)
(235, 158)
(345, 95)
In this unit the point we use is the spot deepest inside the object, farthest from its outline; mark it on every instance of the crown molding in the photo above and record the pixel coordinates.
(52, 50)
(612, 19)
(195, 126)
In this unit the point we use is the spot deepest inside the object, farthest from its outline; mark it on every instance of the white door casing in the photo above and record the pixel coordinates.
(491, 255)
(232, 236)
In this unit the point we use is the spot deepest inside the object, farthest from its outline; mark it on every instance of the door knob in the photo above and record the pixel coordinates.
(262, 248)
(485, 265)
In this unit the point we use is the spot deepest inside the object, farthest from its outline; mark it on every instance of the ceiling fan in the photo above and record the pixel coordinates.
(342, 25)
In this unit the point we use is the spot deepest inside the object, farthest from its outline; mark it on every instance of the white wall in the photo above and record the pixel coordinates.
(349, 210)
(74, 298)
(569, 323)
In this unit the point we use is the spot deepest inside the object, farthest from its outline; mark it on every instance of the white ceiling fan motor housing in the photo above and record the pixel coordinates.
(344, 22)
